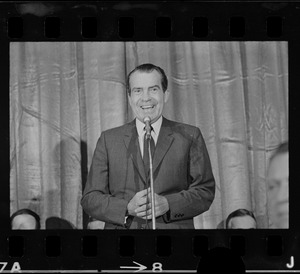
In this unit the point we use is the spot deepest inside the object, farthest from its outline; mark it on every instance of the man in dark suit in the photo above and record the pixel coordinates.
(117, 190)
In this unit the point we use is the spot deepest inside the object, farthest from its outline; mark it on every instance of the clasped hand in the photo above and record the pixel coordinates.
(140, 205)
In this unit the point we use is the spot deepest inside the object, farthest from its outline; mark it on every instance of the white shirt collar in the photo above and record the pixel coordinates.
(156, 126)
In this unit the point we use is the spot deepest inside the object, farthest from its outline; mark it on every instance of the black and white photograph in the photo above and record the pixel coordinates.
(149, 135)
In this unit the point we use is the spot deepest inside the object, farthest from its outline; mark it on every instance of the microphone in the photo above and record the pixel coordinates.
(147, 121)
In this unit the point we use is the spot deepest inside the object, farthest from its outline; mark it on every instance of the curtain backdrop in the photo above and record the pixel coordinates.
(63, 94)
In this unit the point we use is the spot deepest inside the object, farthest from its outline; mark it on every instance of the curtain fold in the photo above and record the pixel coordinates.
(63, 94)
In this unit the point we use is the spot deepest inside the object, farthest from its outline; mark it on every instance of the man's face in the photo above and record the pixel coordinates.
(24, 221)
(278, 191)
(242, 222)
(147, 97)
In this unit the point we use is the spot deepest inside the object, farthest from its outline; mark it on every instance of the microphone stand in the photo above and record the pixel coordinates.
(151, 186)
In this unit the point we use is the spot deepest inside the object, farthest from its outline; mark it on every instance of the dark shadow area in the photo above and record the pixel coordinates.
(221, 225)
(221, 260)
(84, 174)
(58, 223)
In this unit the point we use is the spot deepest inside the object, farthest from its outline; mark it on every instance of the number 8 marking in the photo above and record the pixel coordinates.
(157, 267)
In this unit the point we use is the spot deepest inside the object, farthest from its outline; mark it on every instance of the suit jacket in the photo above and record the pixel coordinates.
(181, 170)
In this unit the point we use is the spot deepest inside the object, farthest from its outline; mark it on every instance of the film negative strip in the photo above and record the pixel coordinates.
(111, 107)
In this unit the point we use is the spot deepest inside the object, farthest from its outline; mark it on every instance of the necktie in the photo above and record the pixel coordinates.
(146, 153)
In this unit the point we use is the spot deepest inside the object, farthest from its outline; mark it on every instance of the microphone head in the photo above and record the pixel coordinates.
(147, 120)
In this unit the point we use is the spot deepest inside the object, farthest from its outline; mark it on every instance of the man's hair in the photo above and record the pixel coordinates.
(281, 149)
(26, 211)
(148, 68)
(239, 213)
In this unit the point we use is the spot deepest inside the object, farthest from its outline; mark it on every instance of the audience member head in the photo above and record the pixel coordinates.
(54, 222)
(95, 224)
(278, 187)
(25, 219)
(241, 219)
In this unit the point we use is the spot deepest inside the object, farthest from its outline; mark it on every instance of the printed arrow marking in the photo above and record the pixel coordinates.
(138, 268)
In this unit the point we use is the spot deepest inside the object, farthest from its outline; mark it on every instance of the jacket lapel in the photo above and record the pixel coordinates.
(165, 139)
(133, 148)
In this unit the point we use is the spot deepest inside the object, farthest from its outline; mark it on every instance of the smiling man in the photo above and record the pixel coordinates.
(117, 190)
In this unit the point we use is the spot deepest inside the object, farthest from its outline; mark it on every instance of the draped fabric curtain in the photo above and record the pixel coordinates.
(63, 94)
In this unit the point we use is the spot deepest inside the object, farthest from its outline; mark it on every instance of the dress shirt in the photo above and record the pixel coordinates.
(141, 132)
